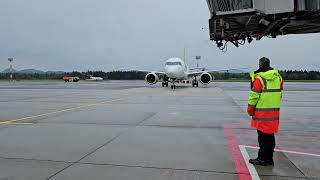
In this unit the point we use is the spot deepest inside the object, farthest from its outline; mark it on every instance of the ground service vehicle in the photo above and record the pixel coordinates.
(71, 79)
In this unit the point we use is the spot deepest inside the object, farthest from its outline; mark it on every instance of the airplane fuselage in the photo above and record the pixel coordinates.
(176, 68)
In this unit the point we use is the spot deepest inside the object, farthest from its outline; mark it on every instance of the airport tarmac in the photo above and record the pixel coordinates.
(123, 130)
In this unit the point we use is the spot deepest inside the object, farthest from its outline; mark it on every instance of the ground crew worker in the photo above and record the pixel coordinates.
(264, 107)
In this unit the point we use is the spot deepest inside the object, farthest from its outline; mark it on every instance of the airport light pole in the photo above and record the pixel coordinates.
(198, 59)
(10, 69)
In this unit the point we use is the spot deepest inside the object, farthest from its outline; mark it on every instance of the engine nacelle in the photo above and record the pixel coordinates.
(205, 78)
(152, 78)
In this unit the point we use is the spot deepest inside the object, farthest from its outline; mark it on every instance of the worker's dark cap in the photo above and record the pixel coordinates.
(265, 62)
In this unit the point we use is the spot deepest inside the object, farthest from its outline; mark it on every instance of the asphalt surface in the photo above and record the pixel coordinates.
(129, 130)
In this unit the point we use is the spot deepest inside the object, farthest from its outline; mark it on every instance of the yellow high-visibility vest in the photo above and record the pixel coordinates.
(270, 96)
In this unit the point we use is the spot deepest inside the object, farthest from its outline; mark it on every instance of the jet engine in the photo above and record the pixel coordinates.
(152, 78)
(205, 78)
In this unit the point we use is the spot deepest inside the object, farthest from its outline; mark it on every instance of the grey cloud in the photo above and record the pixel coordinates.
(99, 34)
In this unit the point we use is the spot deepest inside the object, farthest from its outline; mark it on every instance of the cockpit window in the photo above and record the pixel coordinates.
(173, 63)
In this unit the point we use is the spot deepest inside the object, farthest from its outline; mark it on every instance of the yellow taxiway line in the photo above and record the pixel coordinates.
(22, 123)
(14, 121)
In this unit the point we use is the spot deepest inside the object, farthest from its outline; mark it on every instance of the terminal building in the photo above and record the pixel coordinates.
(239, 21)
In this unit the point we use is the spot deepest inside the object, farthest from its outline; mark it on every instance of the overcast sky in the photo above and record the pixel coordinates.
(99, 34)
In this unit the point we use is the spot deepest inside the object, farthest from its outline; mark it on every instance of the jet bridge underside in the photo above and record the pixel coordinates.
(244, 22)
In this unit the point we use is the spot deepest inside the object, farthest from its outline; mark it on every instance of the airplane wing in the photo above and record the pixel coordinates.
(140, 70)
(202, 70)
(235, 69)
(160, 73)
(195, 73)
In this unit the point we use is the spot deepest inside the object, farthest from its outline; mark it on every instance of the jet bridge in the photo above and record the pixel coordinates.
(241, 21)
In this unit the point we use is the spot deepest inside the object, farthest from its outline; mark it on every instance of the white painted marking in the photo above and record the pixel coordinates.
(251, 168)
(286, 151)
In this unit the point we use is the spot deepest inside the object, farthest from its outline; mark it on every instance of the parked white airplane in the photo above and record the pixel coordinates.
(175, 70)
(92, 78)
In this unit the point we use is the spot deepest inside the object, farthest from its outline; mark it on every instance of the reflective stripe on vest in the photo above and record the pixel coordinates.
(256, 90)
(267, 109)
(266, 119)
(272, 90)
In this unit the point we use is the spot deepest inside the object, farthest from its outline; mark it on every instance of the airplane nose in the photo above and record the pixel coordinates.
(171, 72)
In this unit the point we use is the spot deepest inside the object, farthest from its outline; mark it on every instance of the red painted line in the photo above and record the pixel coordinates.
(239, 163)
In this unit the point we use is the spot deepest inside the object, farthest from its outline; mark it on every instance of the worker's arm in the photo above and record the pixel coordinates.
(281, 87)
(254, 96)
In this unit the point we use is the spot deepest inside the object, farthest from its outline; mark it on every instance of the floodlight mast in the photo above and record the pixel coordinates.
(10, 68)
(198, 59)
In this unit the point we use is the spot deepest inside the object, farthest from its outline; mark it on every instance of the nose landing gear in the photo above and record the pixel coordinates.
(173, 86)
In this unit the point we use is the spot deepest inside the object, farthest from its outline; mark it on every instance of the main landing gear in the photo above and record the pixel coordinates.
(165, 84)
(165, 81)
(195, 83)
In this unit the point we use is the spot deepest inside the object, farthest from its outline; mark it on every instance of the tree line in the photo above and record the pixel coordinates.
(137, 75)
(286, 75)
